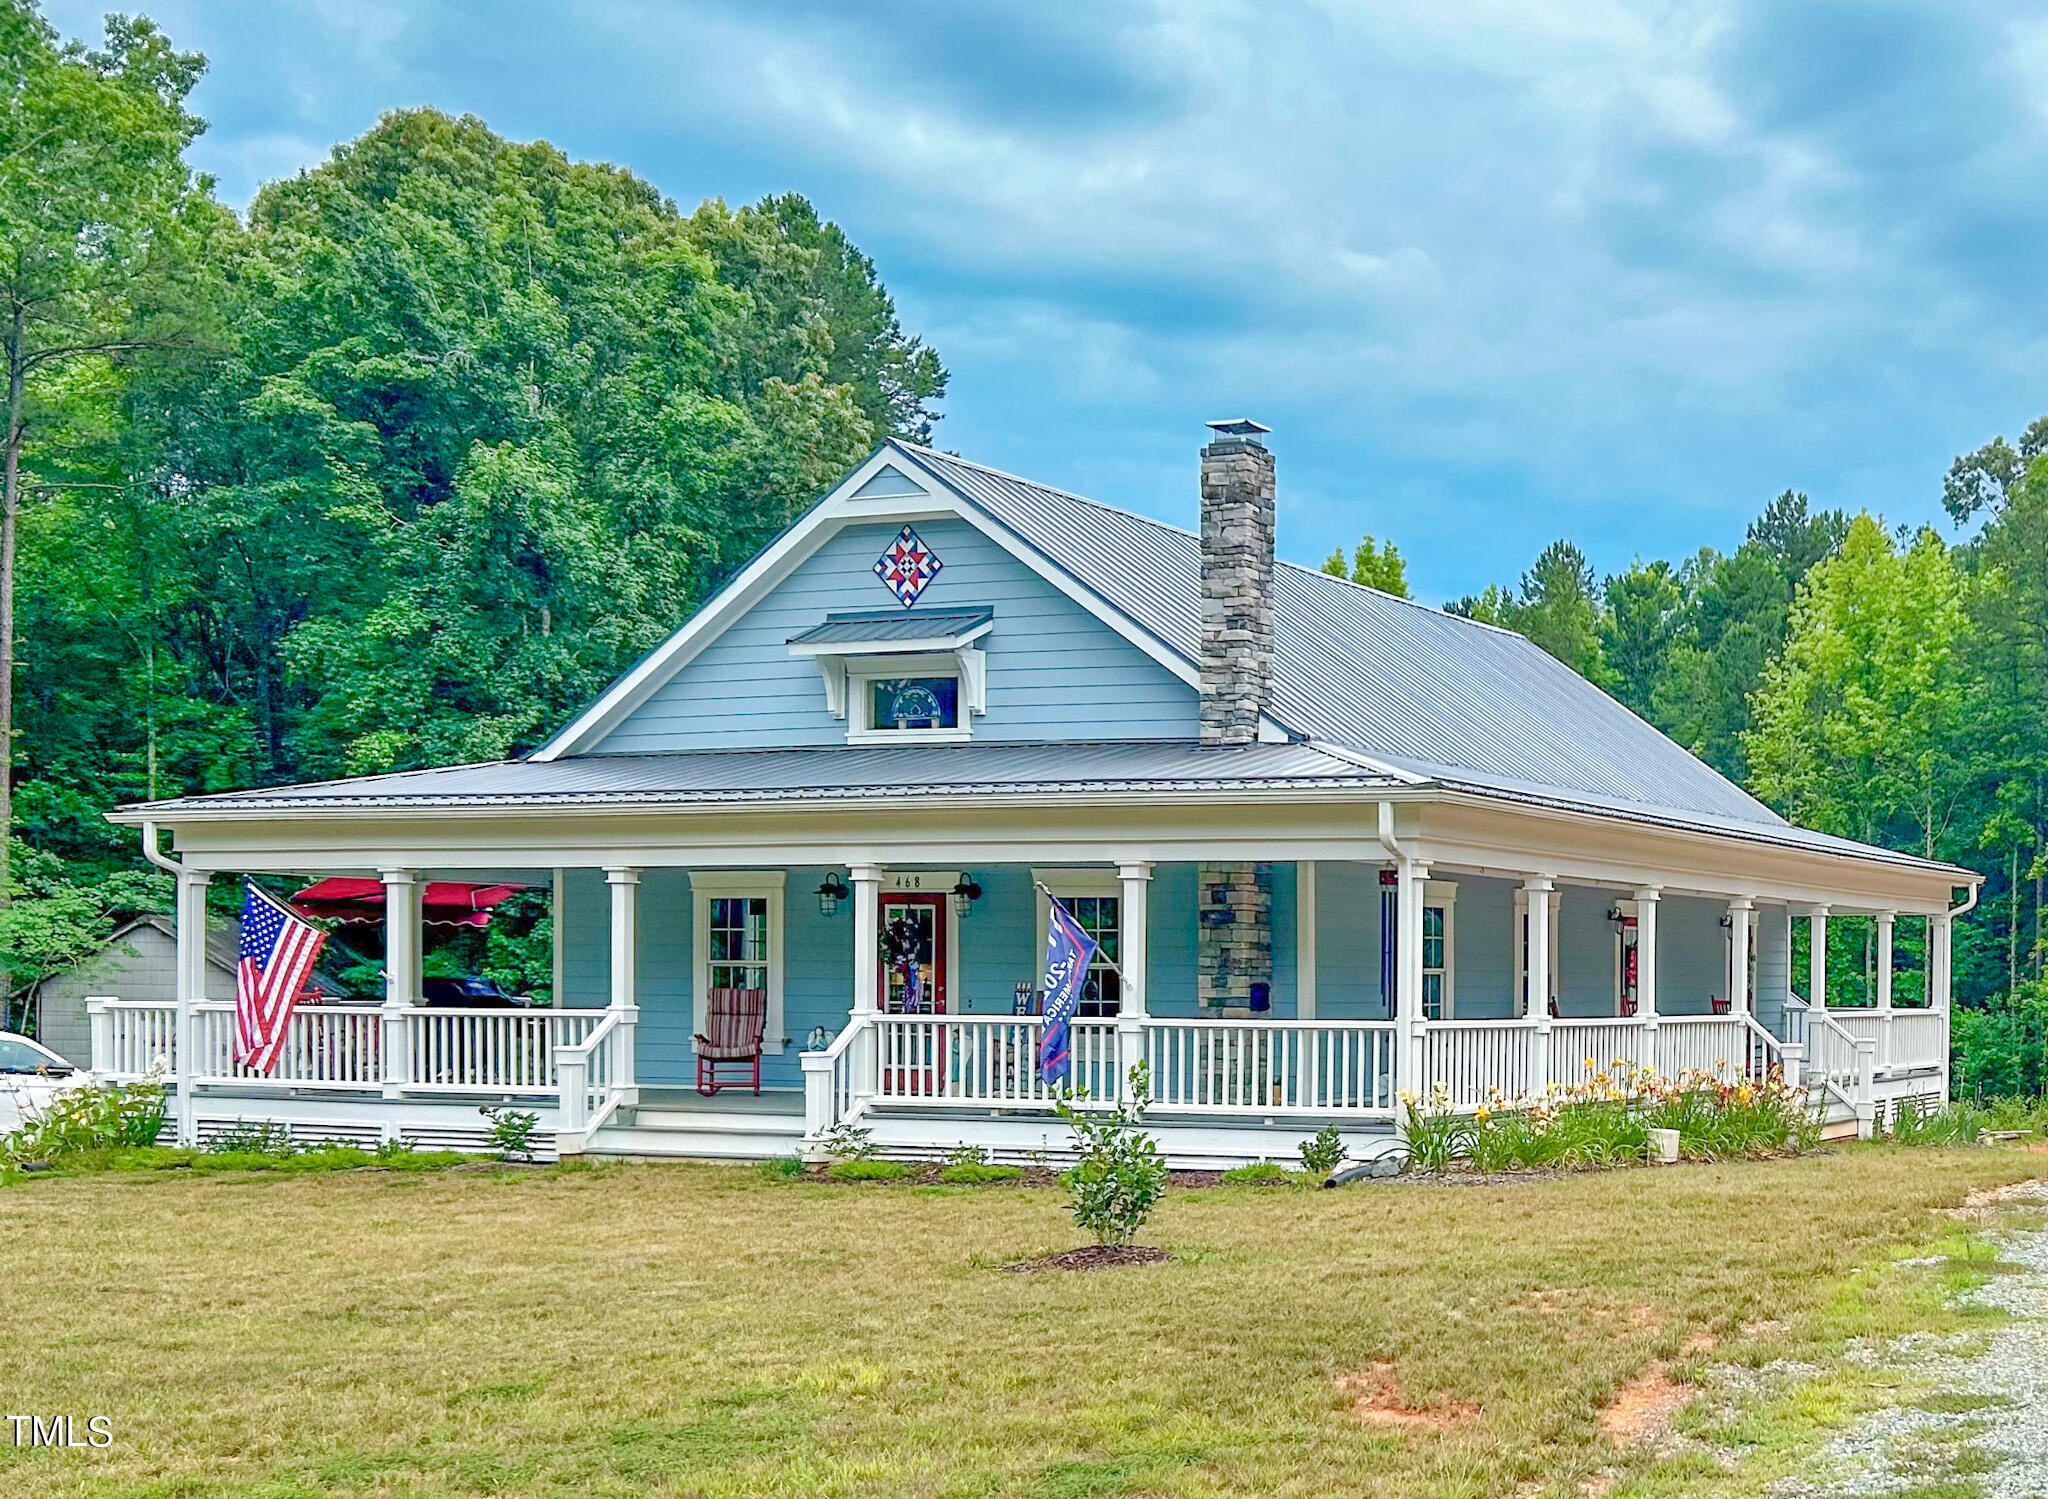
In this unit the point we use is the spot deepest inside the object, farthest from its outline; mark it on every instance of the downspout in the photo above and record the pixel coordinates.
(156, 855)
(1967, 906)
(1407, 1038)
(191, 978)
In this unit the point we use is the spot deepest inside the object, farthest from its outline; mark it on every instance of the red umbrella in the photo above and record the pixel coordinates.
(444, 902)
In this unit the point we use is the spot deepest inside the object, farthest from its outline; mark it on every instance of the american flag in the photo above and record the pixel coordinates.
(278, 951)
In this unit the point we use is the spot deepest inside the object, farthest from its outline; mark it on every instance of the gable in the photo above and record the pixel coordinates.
(1055, 672)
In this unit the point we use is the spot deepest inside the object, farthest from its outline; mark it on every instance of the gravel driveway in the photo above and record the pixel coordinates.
(1994, 1409)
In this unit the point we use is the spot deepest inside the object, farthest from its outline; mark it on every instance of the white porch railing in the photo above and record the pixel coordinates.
(1474, 1058)
(987, 1060)
(129, 1036)
(342, 1046)
(499, 1051)
(590, 1084)
(1905, 1039)
(1477, 1060)
(1841, 1063)
(1272, 1066)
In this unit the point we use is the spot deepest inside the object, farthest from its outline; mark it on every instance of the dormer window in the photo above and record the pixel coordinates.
(910, 703)
(905, 678)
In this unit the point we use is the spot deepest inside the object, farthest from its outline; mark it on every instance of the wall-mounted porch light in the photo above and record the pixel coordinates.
(831, 893)
(965, 894)
(1615, 914)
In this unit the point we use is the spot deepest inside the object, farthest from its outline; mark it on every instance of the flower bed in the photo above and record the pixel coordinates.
(1605, 1120)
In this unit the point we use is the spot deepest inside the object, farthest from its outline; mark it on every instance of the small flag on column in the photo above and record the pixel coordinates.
(1068, 952)
(278, 951)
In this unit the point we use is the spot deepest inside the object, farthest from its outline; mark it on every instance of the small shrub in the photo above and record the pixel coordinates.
(964, 1154)
(246, 1137)
(1325, 1153)
(1121, 1175)
(511, 1134)
(1262, 1174)
(781, 1169)
(976, 1173)
(847, 1142)
(864, 1170)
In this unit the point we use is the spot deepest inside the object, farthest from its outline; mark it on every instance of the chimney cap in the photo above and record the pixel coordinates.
(1239, 426)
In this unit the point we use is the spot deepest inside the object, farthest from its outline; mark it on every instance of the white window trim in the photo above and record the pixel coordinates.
(1444, 894)
(709, 885)
(1518, 969)
(1085, 883)
(968, 667)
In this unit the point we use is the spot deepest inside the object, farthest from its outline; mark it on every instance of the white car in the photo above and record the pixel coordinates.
(30, 1076)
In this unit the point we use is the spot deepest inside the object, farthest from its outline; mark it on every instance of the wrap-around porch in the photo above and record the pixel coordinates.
(1266, 998)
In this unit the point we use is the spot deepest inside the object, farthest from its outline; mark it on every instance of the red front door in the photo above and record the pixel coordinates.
(915, 981)
(915, 977)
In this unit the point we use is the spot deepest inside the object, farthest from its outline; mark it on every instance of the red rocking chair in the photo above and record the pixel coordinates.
(734, 1019)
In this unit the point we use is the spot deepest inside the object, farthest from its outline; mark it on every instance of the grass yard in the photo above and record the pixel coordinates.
(704, 1330)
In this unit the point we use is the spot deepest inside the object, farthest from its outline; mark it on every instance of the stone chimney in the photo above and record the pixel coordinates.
(1237, 581)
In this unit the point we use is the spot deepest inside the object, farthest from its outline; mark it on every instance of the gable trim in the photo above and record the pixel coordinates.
(832, 514)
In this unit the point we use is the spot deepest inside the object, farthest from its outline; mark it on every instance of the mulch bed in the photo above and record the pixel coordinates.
(1094, 1257)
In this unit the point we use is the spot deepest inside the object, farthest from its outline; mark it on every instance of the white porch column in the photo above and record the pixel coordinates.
(402, 893)
(191, 981)
(1887, 929)
(1134, 882)
(1941, 980)
(1306, 1043)
(867, 972)
(1738, 954)
(1646, 951)
(1408, 877)
(1646, 974)
(1817, 958)
(624, 883)
(1536, 902)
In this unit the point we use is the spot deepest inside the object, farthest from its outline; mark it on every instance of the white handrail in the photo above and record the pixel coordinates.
(589, 1093)
(1843, 1063)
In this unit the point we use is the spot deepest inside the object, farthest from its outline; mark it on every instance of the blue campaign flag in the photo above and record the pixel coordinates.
(1068, 952)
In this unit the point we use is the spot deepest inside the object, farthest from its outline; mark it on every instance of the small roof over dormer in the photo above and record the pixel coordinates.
(877, 634)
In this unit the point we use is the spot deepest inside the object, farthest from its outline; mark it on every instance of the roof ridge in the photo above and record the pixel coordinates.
(1195, 536)
(1065, 494)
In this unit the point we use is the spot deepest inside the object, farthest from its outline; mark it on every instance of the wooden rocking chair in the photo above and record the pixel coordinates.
(735, 1019)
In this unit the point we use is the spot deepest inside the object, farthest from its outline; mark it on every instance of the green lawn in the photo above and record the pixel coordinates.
(703, 1330)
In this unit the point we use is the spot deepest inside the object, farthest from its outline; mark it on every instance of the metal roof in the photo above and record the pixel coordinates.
(1357, 667)
(702, 776)
(881, 629)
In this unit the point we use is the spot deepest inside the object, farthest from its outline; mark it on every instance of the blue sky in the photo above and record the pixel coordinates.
(1496, 271)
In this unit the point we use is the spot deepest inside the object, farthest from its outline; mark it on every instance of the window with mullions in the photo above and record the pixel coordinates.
(1102, 993)
(1434, 968)
(739, 942)
(914, 703)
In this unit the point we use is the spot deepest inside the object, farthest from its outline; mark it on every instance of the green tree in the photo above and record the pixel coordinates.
(1645, 618)
(1559, 608)
(1860, 724)
(1373, 564)
(93, 187)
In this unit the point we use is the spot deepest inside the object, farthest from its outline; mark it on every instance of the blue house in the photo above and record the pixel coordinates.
(1334, 845)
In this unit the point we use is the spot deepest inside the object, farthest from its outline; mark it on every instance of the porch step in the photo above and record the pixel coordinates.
(713, 1122)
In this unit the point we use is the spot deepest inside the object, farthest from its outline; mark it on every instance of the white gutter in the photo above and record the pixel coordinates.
(1969, 905)
(1388, 842)
(156, 855)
